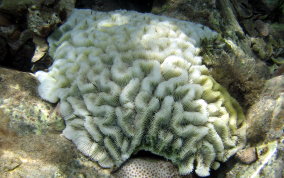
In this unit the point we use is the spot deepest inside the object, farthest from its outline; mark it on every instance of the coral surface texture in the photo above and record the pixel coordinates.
(128, 81)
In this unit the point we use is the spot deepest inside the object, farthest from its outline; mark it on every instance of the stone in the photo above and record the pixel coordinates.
(265, 131)
(266, 116)
(31, 144)
(20, 102)
(247, 156)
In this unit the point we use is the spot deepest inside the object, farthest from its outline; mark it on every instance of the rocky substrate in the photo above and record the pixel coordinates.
(247, 59)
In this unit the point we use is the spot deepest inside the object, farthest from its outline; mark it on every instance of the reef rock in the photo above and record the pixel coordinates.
(266, 116)
(265, 134)
(20, 102)
(31, 144)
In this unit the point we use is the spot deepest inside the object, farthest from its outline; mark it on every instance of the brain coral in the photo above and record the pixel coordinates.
(129, 81)
(147, 168)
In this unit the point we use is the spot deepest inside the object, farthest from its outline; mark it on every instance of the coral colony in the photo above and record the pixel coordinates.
(128, 81)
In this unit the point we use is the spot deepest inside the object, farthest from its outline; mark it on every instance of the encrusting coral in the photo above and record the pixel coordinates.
(129, 81)
(148, 168)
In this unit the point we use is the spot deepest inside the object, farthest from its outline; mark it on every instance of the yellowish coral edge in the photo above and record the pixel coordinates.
(217, 92)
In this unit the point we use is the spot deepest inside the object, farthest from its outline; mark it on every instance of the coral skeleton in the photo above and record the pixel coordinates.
(128, 81)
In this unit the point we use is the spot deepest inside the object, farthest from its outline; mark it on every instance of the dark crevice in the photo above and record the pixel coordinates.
(146, 154)
(20, 59)
(108, 5)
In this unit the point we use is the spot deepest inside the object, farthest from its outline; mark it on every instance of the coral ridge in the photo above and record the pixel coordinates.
(128, 81)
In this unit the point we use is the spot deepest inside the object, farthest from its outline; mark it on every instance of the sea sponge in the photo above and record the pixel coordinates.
(129, 81)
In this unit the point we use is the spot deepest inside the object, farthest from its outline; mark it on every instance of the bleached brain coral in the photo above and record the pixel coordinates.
(129, 81)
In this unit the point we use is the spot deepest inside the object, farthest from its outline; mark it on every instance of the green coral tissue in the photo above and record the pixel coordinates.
(128, 81)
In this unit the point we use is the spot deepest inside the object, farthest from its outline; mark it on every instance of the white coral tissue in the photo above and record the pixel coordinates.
(128, 81)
